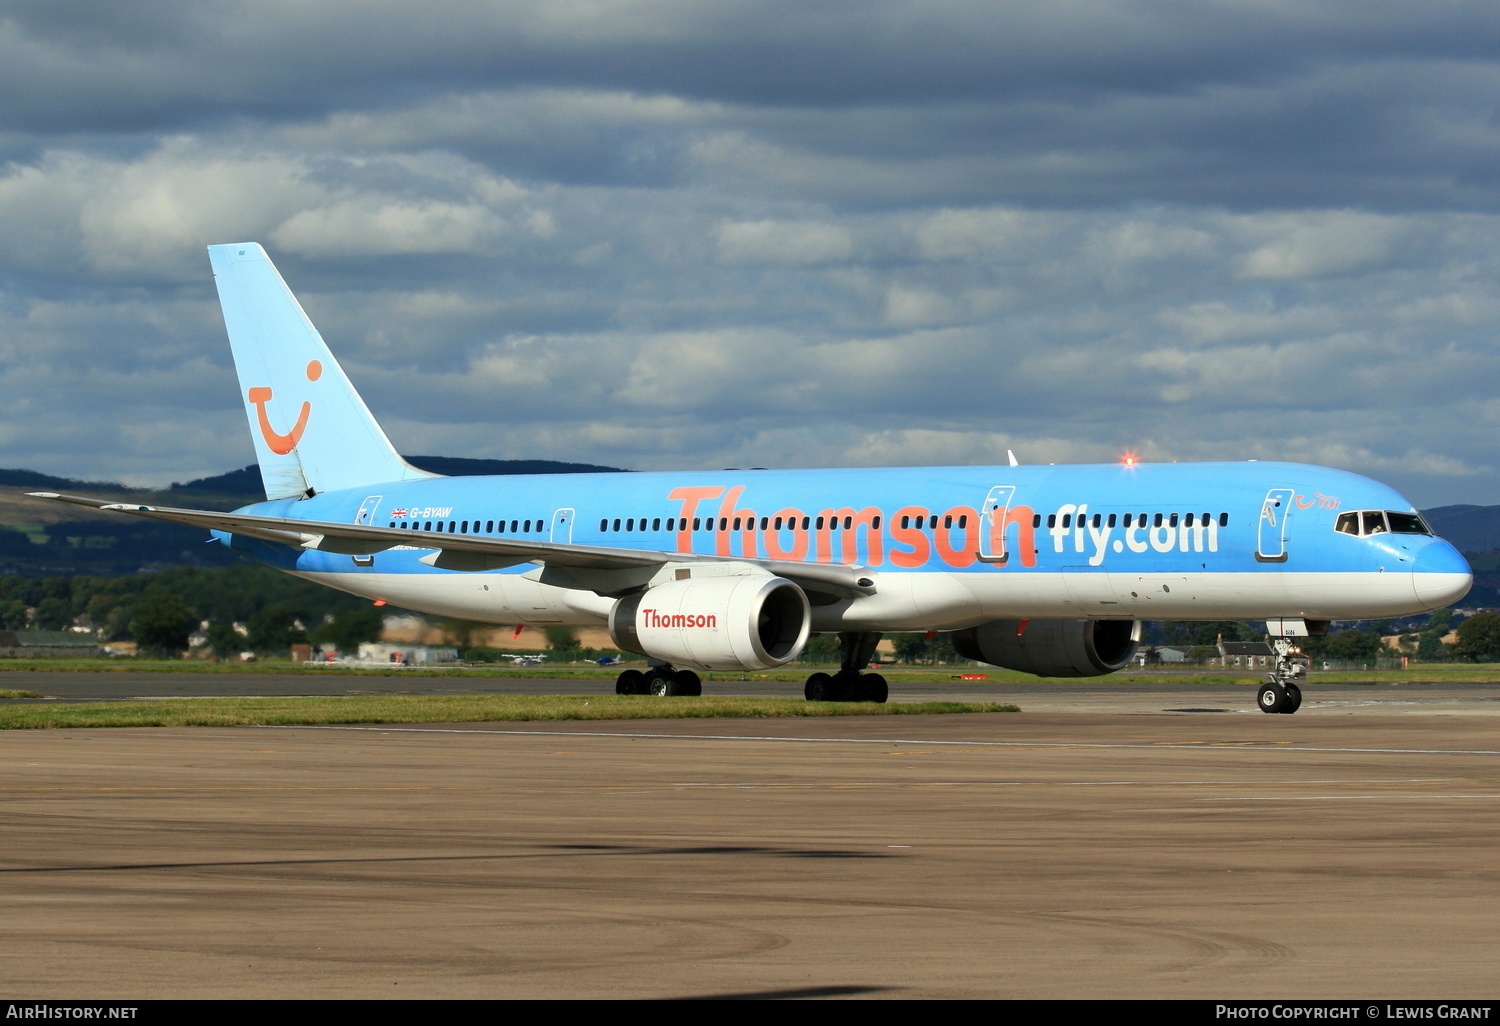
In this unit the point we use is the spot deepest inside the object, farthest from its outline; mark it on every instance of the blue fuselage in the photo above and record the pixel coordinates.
(1239, 540)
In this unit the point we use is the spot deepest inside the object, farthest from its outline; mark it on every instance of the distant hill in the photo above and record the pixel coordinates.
(36, 479)
(457, 466)
(235, 482)
(1469, 528)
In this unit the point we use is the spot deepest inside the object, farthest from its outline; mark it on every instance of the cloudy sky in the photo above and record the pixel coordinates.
(714, 233)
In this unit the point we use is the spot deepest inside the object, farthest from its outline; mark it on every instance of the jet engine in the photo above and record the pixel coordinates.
(1052, 648)
(748, 622)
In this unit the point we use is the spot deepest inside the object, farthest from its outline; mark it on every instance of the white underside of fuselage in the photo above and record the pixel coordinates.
(940, 601)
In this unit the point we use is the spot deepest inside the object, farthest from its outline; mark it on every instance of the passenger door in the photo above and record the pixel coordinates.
(992, 524)
(364, 518)
(1275, 521)
(562, 527)
(367, 510)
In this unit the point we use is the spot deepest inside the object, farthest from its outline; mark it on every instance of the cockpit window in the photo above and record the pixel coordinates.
(1407, 523)
(1374, 521)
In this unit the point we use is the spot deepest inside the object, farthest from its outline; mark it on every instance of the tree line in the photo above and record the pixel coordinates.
(159, 611)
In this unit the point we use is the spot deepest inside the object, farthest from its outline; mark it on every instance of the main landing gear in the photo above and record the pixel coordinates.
(659, 680)
(1281, 693)
(856, 649)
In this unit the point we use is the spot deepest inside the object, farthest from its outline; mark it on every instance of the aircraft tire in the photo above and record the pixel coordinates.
(661, 683)
(1271, 698)
(688, 684)
(873, 688)
(820, 688)
(1293, 699)
(630, 682)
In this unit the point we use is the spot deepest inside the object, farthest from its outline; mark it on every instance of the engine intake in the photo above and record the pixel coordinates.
(1052, 648)
(750, 622)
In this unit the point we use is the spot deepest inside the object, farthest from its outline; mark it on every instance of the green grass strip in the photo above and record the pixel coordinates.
(13, 693)
(236, 712)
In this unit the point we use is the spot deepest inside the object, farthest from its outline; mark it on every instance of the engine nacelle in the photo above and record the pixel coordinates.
(749, 622)
(1052, 648)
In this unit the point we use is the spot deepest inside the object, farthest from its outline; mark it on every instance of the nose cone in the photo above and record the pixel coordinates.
(1441, 576)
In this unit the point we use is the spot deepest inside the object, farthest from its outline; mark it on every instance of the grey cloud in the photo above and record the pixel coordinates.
(705, 234)
(1086, 102)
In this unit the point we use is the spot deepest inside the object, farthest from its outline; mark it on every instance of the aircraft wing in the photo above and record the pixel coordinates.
(569, 566)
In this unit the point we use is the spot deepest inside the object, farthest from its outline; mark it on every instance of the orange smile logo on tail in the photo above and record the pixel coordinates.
(282, 444)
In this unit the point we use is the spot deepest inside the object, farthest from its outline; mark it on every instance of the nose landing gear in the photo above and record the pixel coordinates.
(1281, 692)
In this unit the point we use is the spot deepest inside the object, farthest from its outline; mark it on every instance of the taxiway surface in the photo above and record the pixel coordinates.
(1349, 853)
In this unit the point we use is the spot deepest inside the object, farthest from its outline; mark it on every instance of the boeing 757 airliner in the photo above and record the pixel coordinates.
(1048, 570)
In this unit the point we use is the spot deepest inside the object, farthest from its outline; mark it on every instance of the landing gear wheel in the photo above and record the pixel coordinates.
(872, 688)
(630, 682)
(1293, 699)
(819, 688)
(661, 682)
(845, 687)
(689, 684)
(1272, 698)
